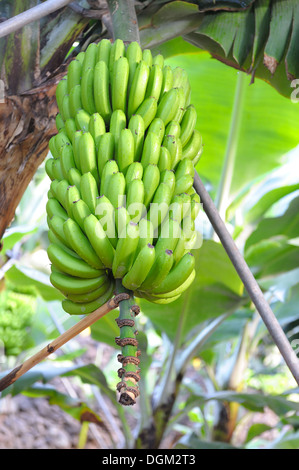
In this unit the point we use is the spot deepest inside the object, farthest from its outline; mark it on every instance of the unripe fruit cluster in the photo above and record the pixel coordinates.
(121, 202)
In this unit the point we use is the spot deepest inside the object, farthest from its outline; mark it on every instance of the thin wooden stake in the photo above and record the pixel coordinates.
(87, 321)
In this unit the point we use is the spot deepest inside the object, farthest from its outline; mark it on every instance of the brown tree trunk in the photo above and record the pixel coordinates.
(27, 122)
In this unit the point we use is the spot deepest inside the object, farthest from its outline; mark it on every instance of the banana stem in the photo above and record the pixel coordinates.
(124, 21)
(129, 371)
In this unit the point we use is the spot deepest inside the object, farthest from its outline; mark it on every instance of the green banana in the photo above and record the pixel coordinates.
(65, 110)
(70, 128)
(151, 180)
(99, 240)
(184, 167)
(75, 143)
(116, 189)
(175, 293)
(74, 177)
(177, 276)
(168, 106)
(75, 102)
(138, 88)
(88, 156)
(178, 154)
(57, 171)
(55, 224)
(157, 127)
(188, 124)
(119, 84)
(147, 110)
(59, 122)
(74, 72)
(105, 151)
(80, 57)
(110, 167)
(96, 128)
(168, 177)
(89, 296)
(135, 171)
(82, 119)
(106, 214)
(169, 235)
(154, 82)
(67, 160)
(146, 234)
(140, 268)
(80, 244)
(49, 168)
(182, 105)
(74, 308)
(159, 60)
(90, 57)
(179, 206)
(167, 83)
(173, 128)
(164, 162)
(117, 123)
(134, 56)
(52, 147)
(159, 271)
(89, 190)
(101, 91)
(156, 300)
(61, 139)
(151, 150)
(183, 184)
(61, 91)
(53, 207)
(75, 285)
(61, 193)
(147, 57)
(117, 50)
(193, 146)
(125, 250)
(195, 205)
(57, 241)
(125, 150)
(80, 211)
(122, 218)
(137, 127)
(103, 52)
(71, 265)
(135, 199)
(170, 142)
(160, 205)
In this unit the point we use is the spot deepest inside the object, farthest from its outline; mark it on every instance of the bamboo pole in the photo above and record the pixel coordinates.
(87, 321)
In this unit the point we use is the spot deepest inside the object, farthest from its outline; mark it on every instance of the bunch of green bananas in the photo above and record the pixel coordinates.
(121, 202)
(17, 307)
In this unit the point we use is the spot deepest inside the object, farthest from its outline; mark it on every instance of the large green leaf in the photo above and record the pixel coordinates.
(251, 401)
(285, 225)
(269, 126)
(215, 290)
(261, 40)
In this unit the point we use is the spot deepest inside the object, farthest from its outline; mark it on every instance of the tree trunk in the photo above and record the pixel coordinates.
(27, 123)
